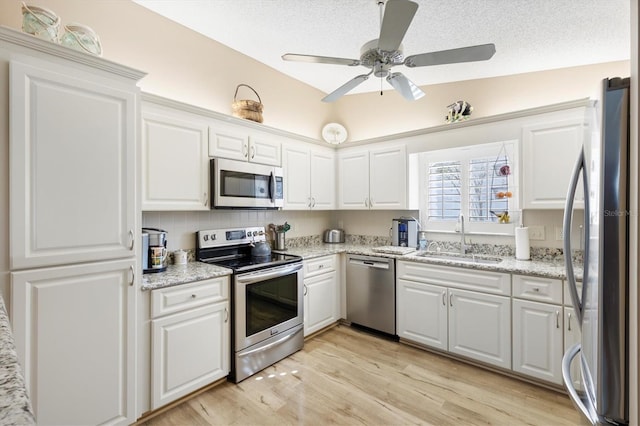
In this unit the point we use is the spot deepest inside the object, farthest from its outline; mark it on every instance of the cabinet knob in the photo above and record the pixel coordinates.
(536, 289)
(193, 296)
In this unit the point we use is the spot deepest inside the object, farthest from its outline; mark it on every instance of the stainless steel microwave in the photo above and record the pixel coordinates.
(244, 185)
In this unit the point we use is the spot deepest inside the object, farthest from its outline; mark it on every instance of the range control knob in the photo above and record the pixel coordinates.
(205, 237)
(213, 237)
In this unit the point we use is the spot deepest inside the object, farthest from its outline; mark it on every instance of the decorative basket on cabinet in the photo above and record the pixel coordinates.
(246, 108)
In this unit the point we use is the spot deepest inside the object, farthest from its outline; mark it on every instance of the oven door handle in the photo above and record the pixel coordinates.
(270, 345)
(280, 271)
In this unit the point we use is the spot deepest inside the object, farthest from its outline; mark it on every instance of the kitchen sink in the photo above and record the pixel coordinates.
(459, 257)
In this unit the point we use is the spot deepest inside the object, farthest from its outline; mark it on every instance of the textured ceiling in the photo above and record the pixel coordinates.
(529, 35)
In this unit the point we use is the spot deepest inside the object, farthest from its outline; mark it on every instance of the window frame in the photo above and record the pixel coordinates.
(464, 155)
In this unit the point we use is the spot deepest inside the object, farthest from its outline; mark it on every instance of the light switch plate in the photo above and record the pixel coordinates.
(536, 232)
(559, 233)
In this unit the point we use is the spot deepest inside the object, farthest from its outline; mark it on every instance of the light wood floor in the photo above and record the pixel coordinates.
(349, 377)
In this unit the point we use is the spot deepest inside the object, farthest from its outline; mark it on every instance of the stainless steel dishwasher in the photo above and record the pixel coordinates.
(371, 292)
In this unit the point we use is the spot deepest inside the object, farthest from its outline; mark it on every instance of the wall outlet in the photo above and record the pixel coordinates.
(559, 233)
(536, 232)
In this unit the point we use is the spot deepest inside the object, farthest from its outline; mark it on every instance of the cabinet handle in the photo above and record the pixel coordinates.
(366, 202)
(450, 301)
(245, 150)
(253, 152)
(133, 240)
(569, 321)
(370, 202)
(305, 290)
(314, 202)
(133, 275)
(206, 199)
(444, 300)
(309, 203)
(226, 315)
(557, 319)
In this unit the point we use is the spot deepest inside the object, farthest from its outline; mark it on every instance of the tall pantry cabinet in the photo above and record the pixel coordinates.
(73, 229)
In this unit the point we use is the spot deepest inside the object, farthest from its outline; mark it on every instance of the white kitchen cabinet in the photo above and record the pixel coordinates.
(537, 327)
(73, 164)
(175, 159)
(309, 177)
(321, 293)
(372, 179)
(73, 242)
(74, 328)
(480, 326)
(440, 307)
(549, 151)
(421, 316)
(190, 335)
(242, 144)
(538, 340)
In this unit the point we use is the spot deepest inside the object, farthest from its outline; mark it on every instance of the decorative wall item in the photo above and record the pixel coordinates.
(246, 108)
(82, 38)
(459, 111)
(334, 133)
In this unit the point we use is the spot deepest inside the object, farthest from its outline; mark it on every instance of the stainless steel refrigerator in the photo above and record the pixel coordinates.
(602, 306)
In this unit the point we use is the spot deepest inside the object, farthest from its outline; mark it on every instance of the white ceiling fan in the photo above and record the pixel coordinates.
(385, 52)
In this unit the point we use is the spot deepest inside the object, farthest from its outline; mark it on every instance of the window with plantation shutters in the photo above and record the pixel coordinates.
(478, 182)
(445, 196)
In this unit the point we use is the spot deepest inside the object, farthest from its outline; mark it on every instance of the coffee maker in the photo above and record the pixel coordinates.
(404, 232)
(154, 250)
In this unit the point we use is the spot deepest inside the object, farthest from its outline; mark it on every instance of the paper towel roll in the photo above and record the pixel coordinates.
(522, 243)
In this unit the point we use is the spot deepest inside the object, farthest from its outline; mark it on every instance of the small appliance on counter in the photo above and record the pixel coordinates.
(404, 232)
(154, 250)
(333, 236)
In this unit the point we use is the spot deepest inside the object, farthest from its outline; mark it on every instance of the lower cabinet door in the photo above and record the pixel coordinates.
(190, 349)
(421, 313)
(321, 302)
(480, 326)
(74, 328)
(537, 340)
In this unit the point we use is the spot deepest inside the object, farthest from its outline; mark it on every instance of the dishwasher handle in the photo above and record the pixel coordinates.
(369, 263)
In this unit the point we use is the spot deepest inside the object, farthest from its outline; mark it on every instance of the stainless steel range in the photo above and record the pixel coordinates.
(266, 297)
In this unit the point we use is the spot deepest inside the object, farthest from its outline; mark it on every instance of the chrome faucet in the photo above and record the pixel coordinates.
(463, 243)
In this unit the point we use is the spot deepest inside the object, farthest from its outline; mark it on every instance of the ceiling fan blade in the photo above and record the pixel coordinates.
(480, 52)
(320, 59)
(406, 87)
(398, 15)
(333, 96)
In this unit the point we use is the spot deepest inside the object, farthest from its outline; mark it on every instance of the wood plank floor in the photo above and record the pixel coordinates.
(348, 377)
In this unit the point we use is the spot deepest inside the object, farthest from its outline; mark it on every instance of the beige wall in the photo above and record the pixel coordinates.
(371, 115)
(186, 66)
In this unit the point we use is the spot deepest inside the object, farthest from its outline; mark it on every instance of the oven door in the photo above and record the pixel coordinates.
(266, 303)
(238, 184)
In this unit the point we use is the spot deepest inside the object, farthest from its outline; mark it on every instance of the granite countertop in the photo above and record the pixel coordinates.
(15, 407)
(548, 269)
(182, 274)
(197, 271)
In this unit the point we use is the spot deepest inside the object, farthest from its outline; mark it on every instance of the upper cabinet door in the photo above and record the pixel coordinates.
(388, 178)
(234, 142)
(175, 160)
(323, 179)
(295, 163)
(353, 178)
(228, 142)
(72, 144)
(550, 151)
(262, 150)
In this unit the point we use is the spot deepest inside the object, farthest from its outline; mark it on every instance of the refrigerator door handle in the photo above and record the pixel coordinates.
(583, 404)
(566, 229)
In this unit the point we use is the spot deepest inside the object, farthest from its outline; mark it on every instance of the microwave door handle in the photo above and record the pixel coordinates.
(272, 187)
